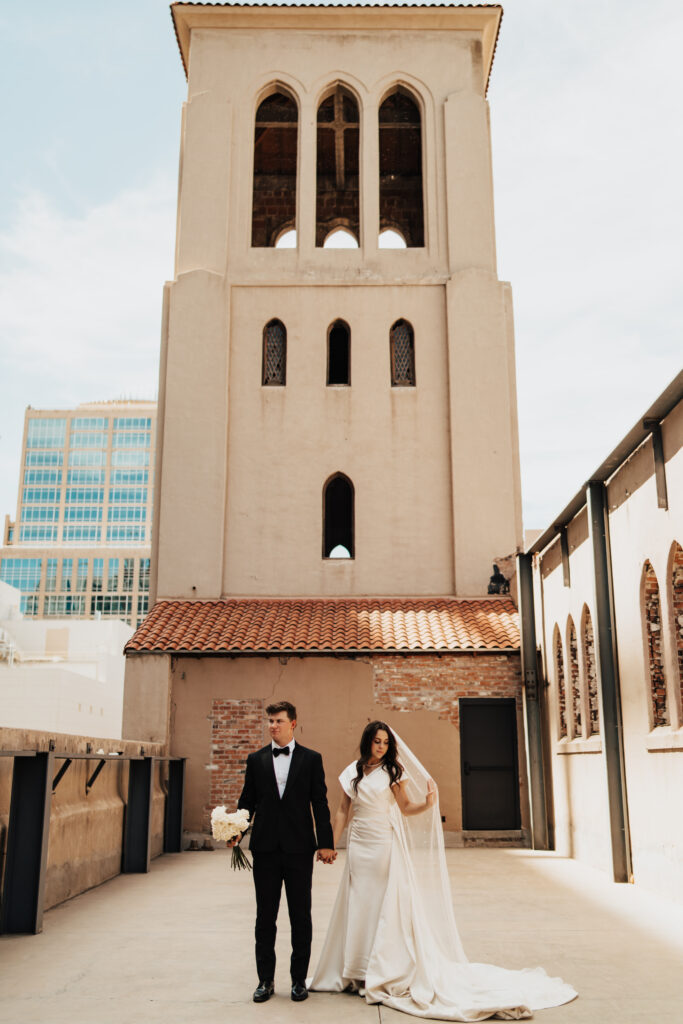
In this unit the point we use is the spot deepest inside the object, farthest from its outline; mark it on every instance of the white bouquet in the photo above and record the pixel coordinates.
(227, 827)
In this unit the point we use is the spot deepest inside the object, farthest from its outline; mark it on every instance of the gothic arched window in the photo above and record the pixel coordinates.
(652, 620)
(590, 673)
(575, 688)
(339, 353)
(402, 346)
(400, 167)
(559, 676)
(337, 193)
(274, 365)
(676, 604)
(275, 157)
(338, 517)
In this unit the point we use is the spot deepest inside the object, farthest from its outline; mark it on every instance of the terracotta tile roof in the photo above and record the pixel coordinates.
(299, 625)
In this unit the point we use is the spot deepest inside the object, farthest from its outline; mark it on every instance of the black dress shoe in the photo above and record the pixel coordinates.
(264, 991)
(299, 991)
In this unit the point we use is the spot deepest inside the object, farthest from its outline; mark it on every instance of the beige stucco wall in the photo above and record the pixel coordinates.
(639, 530)
(435, 467)
(86, 828)
(334, 699)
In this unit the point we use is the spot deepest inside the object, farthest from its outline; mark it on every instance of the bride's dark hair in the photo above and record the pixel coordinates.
(390, 762)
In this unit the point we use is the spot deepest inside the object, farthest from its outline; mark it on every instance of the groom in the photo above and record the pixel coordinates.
(283, 783)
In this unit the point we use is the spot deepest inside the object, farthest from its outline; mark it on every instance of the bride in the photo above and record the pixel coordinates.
(392, 936)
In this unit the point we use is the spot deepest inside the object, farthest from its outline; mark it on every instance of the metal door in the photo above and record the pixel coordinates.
(489, 769)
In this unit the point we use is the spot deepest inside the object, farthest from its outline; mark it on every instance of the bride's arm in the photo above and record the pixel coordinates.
(341, 818)
(406, 805)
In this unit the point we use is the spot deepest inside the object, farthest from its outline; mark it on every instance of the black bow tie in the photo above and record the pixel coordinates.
(280, 750)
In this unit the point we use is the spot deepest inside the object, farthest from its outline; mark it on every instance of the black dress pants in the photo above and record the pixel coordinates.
(270, 871)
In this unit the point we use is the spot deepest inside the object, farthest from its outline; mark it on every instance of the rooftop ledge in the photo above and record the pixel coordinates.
(482, 18)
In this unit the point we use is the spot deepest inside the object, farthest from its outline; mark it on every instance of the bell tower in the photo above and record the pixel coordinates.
(337, 401)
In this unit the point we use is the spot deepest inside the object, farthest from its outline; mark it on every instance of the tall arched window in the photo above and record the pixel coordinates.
(275, 157)
(575, 688)
(590, 673)
(338, 517)
(676, 563)
(337, 192)
(652, 620)
(559, 676)
(402, 350)
(339, 353)
(400, 167)
(274, 365)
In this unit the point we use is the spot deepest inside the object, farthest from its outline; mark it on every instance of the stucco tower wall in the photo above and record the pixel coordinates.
(435, 467)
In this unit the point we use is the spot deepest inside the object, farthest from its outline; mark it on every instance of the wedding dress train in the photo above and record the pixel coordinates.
(392, 934)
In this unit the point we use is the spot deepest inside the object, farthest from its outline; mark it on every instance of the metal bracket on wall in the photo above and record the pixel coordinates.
(89, 784)
(660, 466)
(60, 774)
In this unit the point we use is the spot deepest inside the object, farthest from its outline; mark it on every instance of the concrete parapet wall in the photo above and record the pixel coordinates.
(86, 828)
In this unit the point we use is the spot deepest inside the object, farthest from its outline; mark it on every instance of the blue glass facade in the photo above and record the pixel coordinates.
(87, 481)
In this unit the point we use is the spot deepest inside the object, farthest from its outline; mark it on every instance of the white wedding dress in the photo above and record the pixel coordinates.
(392, 935)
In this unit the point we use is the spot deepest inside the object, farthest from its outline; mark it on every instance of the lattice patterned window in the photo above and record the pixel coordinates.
(659, 703)
(574, 678)
(274, 353)
(402, 343)
(677, 607)
(590, 674)
(559, 675)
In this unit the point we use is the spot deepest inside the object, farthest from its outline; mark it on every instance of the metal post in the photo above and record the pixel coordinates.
(137, 820)
(608, 674)
(173, 817)
(532, 711)
(23, 893)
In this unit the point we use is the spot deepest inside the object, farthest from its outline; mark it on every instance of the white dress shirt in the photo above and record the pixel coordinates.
(281, 766)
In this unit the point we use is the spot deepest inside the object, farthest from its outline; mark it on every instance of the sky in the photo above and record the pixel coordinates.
(587, 140)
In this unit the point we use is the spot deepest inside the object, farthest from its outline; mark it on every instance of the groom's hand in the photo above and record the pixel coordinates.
(327, 856)
(233, 842)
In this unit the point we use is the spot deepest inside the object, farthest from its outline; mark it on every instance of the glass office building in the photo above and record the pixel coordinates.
(80, 543)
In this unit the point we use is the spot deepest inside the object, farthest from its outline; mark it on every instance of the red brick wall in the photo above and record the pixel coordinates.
(432, 682)
(236, 730)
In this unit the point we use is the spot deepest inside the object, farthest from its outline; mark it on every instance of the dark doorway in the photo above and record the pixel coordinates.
(488, 759)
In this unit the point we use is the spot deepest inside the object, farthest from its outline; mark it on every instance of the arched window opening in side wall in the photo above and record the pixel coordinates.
(338, 517)
(339, 353)
(337, 189)
(400, 167)
(676, 563)
(575, 688)
(274, 365)
(402, 350)
(652, 620)
(590, 674)
(340, 238)
(275, 160)
(390, 238)
(559, 676)
(286, 239)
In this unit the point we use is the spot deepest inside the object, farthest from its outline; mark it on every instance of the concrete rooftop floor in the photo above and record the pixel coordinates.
(176, 945)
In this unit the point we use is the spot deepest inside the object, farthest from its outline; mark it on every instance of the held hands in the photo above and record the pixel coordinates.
(431, 793)
(326, 856)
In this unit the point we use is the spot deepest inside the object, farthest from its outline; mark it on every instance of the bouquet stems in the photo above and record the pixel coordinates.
(239, 859)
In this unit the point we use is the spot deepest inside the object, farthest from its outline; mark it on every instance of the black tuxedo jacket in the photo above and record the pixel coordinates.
(286, 823)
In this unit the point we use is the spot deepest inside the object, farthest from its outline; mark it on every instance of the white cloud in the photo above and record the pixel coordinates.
(80, 306)
(587, 149)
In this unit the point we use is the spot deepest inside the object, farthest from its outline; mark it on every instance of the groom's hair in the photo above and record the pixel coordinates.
(282, 705)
